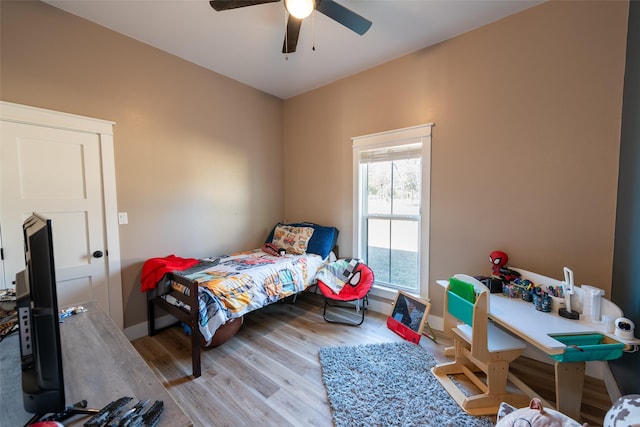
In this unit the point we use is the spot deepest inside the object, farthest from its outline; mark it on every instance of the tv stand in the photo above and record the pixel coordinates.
(99, 365)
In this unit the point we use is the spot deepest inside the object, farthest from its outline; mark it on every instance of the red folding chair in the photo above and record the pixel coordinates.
(356, 290)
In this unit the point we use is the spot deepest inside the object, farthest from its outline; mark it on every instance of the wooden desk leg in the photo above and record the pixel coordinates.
(569, 383)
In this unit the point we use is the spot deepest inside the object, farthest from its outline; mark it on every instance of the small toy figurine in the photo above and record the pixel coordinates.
(498, 260)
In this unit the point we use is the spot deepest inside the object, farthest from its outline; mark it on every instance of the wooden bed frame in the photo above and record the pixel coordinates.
(191, 317)
(188, 317)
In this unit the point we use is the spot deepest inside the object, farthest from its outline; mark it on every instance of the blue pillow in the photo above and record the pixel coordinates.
(322, 240)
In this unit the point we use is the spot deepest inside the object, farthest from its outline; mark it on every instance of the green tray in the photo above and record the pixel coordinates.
(585, 347)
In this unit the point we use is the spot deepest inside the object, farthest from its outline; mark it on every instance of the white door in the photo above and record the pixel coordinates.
(61, 166)
(56, 173)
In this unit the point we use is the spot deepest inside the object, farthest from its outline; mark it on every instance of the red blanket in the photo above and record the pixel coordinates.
(154, 269)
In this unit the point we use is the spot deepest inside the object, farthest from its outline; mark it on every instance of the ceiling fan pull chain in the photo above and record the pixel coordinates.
(313, 29)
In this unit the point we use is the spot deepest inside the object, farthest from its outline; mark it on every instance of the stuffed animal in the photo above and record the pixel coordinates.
(533, 416)
(499, 267)
(624, 412)
(272, 249)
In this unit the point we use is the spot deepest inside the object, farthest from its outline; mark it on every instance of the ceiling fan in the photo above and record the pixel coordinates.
(300, 9)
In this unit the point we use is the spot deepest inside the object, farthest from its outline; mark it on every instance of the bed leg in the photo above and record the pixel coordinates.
(195, 351)
(151, 318)
(195, 334)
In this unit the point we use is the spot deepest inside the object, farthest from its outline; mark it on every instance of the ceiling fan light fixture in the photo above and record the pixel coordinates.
(299, 8)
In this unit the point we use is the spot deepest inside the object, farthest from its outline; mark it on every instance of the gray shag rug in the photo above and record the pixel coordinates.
(389, 384)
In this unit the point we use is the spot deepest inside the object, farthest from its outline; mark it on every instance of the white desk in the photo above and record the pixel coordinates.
(522, 319)
(536, 327)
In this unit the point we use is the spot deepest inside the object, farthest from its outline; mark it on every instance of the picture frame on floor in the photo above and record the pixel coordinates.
(408, 317)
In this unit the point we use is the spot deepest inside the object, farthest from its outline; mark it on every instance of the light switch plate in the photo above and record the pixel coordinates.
(123, 218)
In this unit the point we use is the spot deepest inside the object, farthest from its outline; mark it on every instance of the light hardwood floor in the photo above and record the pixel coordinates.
(269, 373)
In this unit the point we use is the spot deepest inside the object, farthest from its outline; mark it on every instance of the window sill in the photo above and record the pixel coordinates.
(384, 292)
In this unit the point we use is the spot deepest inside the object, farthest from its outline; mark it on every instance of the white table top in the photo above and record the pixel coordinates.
(521, 318)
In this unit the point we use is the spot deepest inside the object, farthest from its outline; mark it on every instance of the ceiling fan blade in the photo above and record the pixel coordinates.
(220, 5)
(344, 16)
(291, 36)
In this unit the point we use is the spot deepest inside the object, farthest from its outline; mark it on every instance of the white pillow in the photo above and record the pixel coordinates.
(294, 240)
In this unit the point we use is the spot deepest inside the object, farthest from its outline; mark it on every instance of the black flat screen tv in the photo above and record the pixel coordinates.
(37, 303)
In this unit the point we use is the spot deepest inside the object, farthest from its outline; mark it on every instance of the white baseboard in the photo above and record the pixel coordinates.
(142, 329)
(436, 322)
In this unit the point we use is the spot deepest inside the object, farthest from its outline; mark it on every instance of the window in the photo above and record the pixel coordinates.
(391, 224)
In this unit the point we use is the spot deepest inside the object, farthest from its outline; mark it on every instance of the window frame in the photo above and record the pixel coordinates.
(398, 137)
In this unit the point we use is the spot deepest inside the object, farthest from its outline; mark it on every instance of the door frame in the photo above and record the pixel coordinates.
(25, 114)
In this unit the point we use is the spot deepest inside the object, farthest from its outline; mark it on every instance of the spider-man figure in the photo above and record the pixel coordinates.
(498, 260)
(499, 265)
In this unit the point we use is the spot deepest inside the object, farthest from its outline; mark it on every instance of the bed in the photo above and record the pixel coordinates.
(225, 288)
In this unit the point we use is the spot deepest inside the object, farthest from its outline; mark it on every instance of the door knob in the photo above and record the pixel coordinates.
(97, 254)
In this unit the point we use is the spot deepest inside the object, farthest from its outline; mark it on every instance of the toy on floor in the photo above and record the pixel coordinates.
(534, 416)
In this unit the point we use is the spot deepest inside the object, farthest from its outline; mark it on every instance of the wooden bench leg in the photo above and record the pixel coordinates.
(497, 373)
(495, 392)
(493, 389)
(457, 365)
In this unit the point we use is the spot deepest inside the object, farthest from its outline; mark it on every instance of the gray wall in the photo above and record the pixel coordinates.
(625, 290)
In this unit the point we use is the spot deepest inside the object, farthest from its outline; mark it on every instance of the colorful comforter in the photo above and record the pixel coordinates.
(234, 285)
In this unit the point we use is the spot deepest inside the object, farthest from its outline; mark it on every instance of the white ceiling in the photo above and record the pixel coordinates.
(245, 44)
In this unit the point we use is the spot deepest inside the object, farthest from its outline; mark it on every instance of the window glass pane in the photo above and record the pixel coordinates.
(378, 253)
(392, 252)
(379, 187)
(404, 254)
(406, 186)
